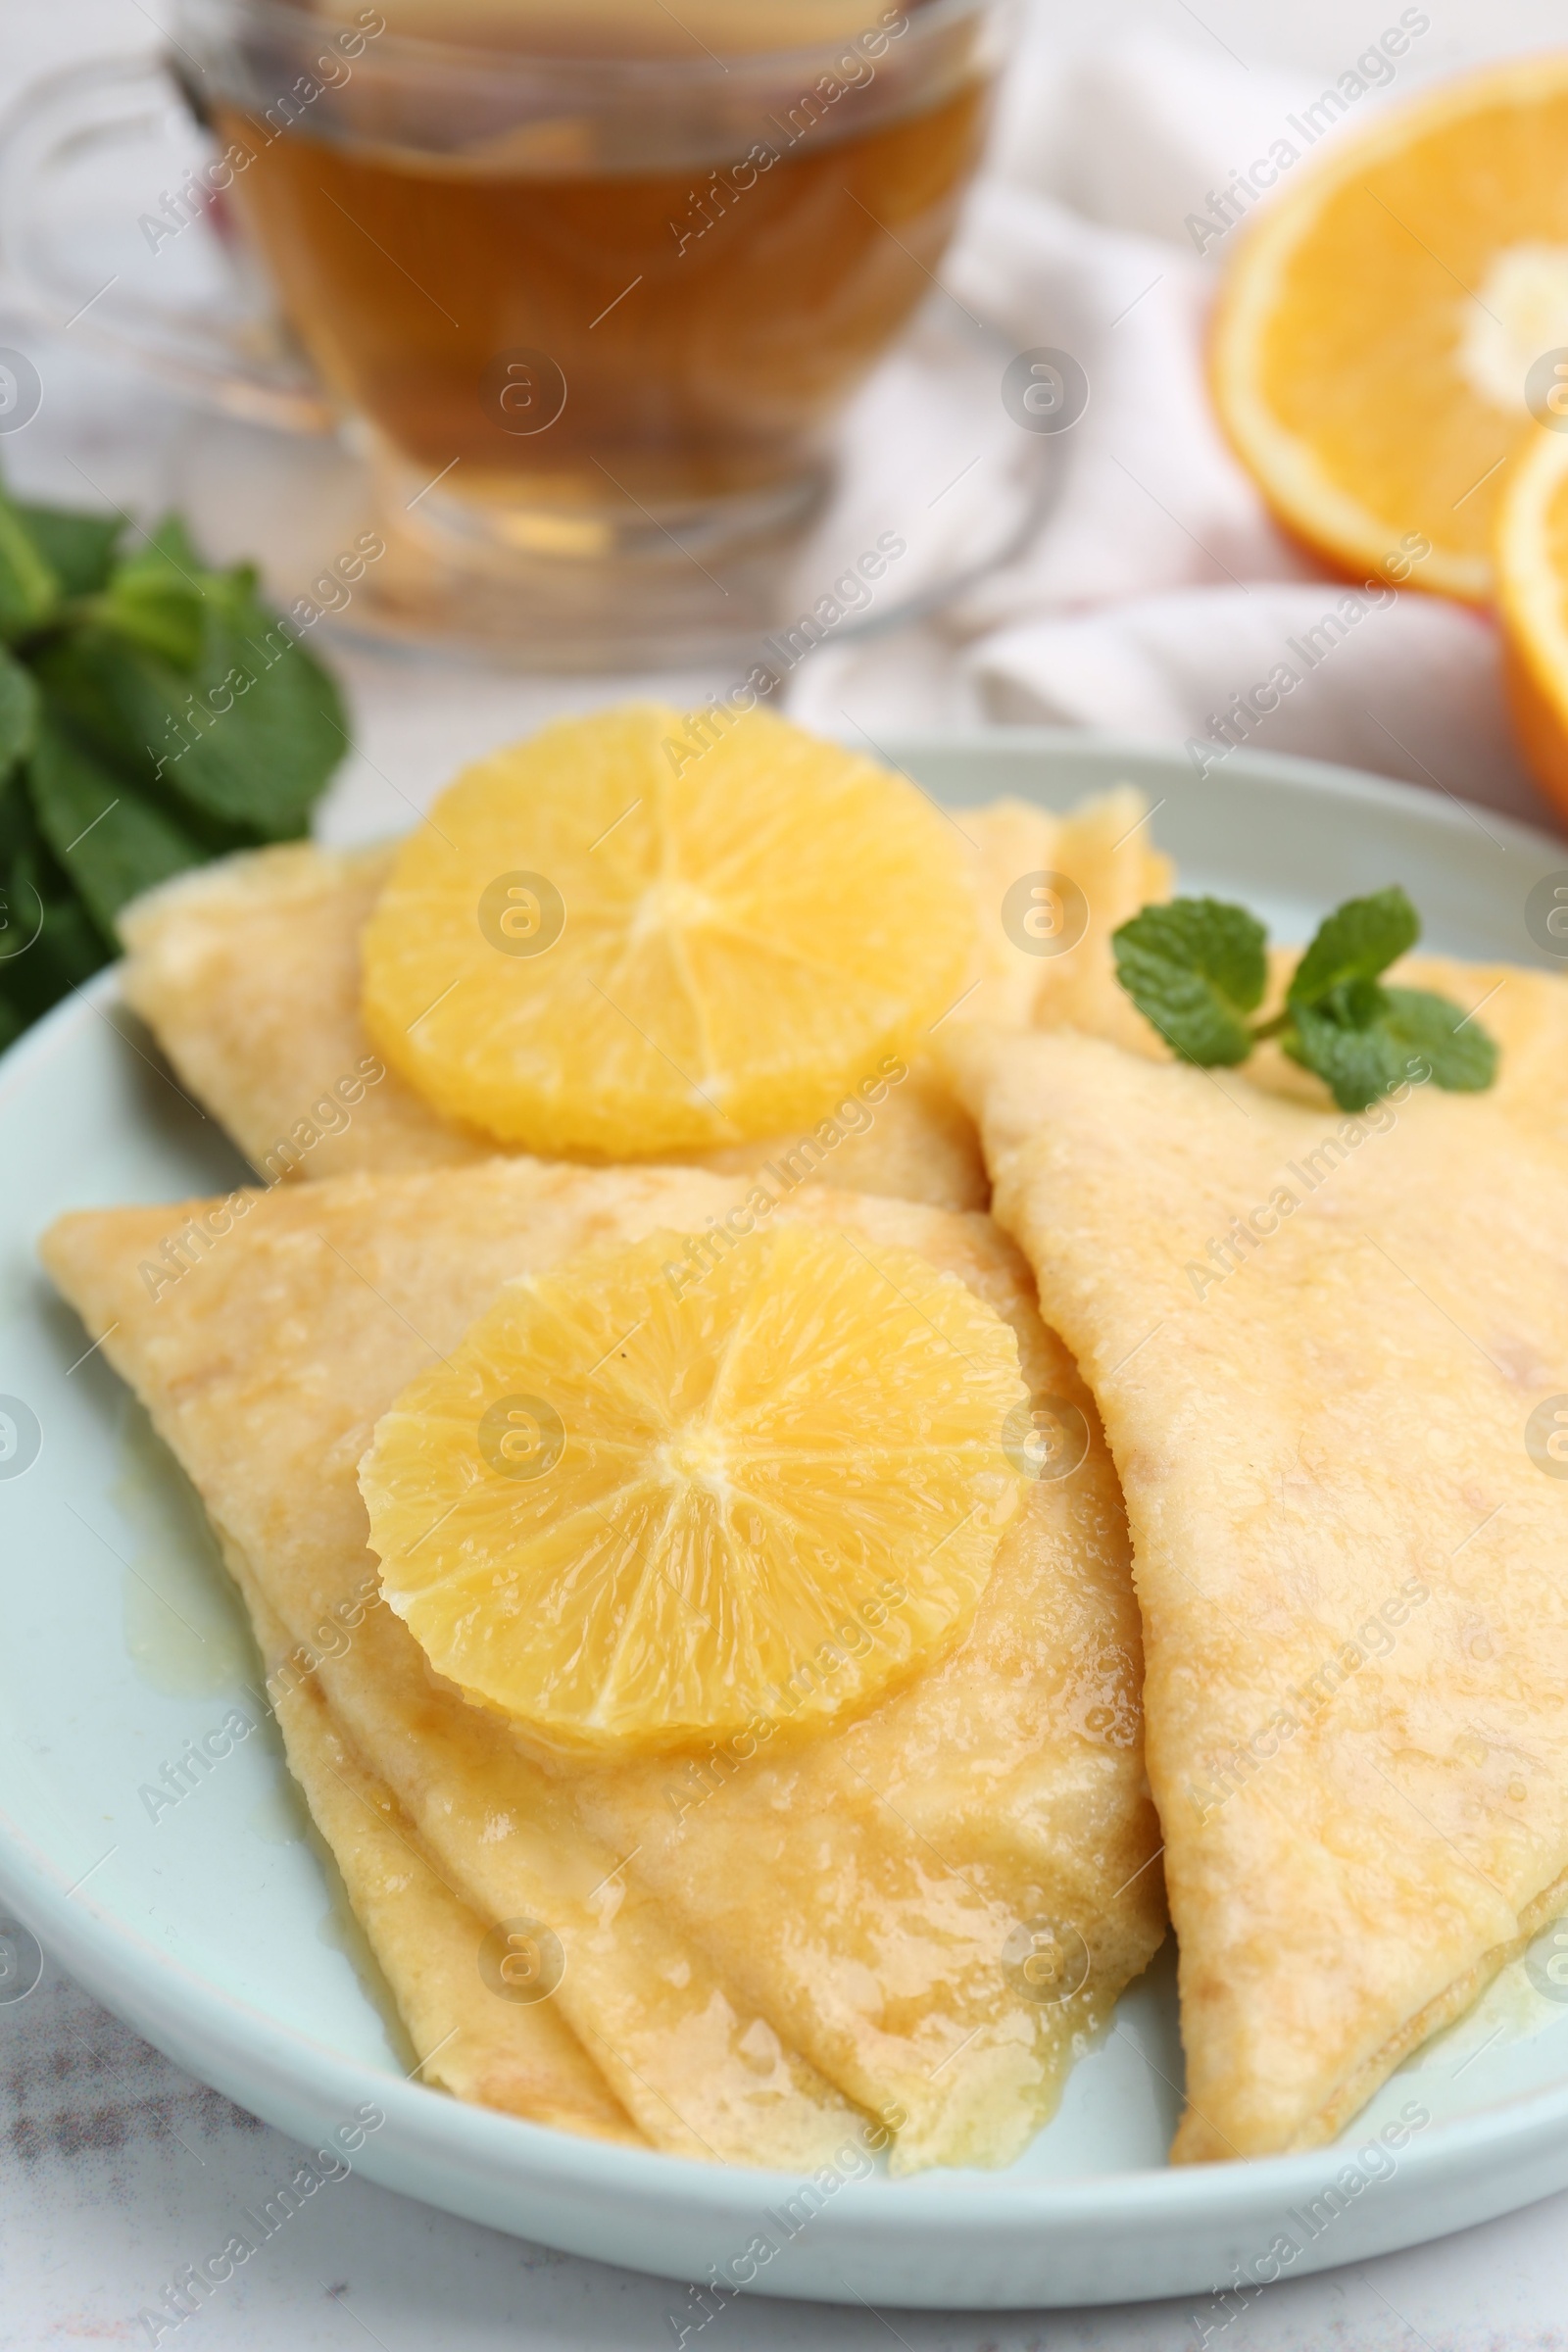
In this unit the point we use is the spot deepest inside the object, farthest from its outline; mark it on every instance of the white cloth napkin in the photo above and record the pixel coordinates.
(1157, 588)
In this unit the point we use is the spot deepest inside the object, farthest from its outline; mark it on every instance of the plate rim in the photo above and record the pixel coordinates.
(1449, 812)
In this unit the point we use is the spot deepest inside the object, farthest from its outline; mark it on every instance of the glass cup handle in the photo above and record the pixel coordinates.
(171, 286)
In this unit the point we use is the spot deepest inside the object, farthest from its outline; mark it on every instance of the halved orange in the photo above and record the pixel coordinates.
(1380, 322)
(1532, 551)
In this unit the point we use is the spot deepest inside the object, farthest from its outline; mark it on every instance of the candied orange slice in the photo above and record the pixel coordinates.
(642, 1506)
(626, 938)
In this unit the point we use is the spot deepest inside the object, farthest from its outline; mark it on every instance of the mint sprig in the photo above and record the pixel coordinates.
(1197, 967)
(154, 713)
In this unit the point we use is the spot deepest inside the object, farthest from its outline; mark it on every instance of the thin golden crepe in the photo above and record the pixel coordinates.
(248, 973)
(732, 1989)
(496, 2053)
(1317, 1344)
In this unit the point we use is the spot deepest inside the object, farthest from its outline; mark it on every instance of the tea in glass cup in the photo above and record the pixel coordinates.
(595, 278)
(610, 277)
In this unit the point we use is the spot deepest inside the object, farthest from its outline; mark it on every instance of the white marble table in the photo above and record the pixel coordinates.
(115, 2166)
(116, 2169)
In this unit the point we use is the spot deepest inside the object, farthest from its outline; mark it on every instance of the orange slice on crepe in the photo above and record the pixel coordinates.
(641, 933)
(671, 1492)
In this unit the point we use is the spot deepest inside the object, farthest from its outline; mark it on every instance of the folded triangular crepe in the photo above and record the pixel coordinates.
(517, 2055)
(927, 1913)
(1331, 1354)
(286, 1066)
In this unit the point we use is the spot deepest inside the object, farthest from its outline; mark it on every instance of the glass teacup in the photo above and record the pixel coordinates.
(589, 281)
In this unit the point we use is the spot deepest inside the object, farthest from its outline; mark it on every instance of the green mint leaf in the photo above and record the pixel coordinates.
(19, 917)
(27, 870)
(67, 947)
(156, 596)
(1356, 942)
(268, 725)
(1462, 1054)
(1356, 1060)
(18, 712)
(80, 549)
(18, 829)
(1363, 1038)
(1194, 967)
(159, 712)
(29, 586)
(243, 740)
(67, 951)
(109, 842)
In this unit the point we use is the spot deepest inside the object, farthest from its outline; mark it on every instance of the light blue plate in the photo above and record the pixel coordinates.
(218, 1930)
